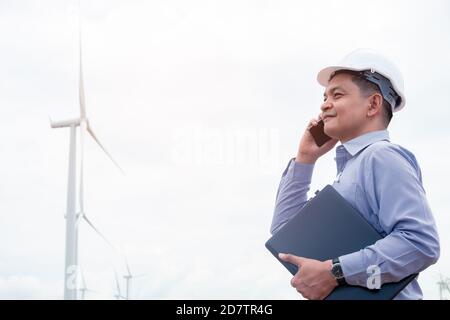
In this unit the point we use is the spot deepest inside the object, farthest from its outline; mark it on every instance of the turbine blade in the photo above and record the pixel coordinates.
(81, 83)
(83, 127)
(99, 233)
(89, 129)
(93, 291)
(128, 267)
(119, 294)
(83, 282)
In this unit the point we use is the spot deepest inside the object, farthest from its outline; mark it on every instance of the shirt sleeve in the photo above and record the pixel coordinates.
(394, 191)
(292, 192)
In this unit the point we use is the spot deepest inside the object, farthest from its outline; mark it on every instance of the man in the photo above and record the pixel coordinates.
(380, 179)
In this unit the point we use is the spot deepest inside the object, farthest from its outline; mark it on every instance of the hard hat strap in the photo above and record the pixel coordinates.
(385, 86)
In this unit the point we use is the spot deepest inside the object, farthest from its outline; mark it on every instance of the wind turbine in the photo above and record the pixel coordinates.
(128, 277)
(443, 285)
(84, 289)
(118, 294)
(72, 218)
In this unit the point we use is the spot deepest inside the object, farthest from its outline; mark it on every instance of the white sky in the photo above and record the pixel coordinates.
(202, 103)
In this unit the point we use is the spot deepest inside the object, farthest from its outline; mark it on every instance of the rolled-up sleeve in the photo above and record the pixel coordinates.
(394, 191)
(292, 192)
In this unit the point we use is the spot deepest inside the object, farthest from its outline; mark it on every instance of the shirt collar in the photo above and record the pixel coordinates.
(357, 144)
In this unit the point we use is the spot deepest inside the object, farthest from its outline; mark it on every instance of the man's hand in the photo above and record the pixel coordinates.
(308, 151)
(313, 280)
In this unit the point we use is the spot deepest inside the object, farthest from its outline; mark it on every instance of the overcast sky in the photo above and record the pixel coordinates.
(202, 103)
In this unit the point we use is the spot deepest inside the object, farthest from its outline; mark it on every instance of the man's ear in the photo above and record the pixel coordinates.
(375, 104)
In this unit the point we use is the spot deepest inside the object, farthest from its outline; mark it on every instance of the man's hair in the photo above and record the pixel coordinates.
(367, 88)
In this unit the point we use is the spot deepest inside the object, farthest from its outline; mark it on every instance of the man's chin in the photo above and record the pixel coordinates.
(329, 131)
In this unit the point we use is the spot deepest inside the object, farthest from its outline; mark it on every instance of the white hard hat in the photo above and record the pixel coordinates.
(368, 59)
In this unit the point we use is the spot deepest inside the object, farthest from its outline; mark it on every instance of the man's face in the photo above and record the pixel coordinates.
(344, 109)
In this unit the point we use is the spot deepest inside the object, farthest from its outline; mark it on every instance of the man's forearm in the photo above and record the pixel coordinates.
(393, 258)
(292, 192)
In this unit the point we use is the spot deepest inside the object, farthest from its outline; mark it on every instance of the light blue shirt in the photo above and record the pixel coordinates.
(383, 182)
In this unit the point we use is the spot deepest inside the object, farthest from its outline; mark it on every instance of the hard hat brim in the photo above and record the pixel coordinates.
(323, 77)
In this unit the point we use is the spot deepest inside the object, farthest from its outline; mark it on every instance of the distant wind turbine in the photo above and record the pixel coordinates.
(72, 218)
(118, 294)
(128, 277)
(84, 289)
(443, 285)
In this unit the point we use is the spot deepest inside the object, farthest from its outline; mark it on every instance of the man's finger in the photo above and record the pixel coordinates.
(298, 261)
(293, 283)
(313, 122)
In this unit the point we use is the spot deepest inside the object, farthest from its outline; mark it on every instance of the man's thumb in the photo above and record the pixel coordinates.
(291, 258)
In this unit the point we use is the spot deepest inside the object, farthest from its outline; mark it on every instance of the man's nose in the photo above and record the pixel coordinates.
(325, 106)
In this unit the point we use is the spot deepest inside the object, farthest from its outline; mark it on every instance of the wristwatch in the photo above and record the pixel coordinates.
(337, 273)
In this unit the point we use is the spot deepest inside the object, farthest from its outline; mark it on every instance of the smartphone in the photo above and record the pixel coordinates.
(319, 134)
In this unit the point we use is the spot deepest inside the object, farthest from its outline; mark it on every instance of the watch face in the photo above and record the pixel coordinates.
(337, 271)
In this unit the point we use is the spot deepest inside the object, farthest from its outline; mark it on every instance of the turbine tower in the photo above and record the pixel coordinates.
(72, 218)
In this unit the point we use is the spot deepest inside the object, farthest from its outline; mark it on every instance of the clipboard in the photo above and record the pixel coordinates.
(328, 227)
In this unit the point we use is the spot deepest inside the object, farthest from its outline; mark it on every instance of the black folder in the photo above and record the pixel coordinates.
(326, 228)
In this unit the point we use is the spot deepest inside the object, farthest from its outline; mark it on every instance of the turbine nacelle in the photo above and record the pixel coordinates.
(66, 123)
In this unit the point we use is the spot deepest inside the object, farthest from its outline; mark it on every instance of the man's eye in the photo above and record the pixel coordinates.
(337, 95)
